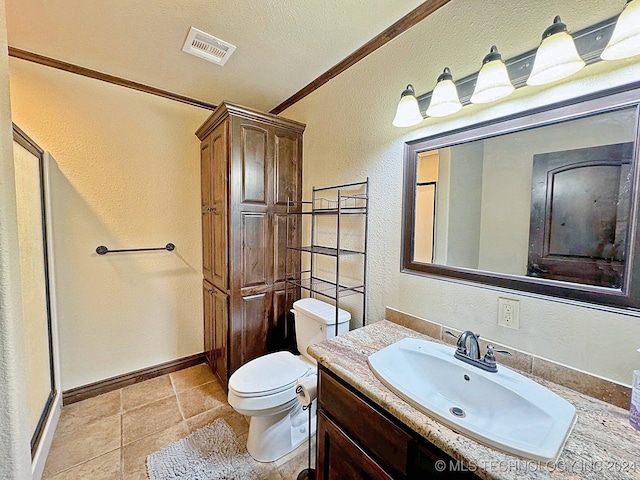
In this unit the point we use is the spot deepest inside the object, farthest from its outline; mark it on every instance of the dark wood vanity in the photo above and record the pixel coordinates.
(357, 440)
(365, 431)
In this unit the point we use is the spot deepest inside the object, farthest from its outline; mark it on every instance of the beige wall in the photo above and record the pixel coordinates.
(128, 177)
(15, 459)
(349, 136)
(465, 204)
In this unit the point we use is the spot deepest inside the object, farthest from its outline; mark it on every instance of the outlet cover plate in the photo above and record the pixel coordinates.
(509, 313)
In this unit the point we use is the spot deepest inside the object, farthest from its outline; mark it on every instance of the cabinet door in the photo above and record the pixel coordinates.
(287, 163)
(250, 329)
(215, 331)
(206, 207)
(220, 309)
(251, 251)
(219, 205)
(275, 339)
(287, 179)
(339, 457)
(381, 438)
(282, 330)
(285, 233)
(287, 185)
(209, 335)
(251, 165)
(265, 172)
(254, 229)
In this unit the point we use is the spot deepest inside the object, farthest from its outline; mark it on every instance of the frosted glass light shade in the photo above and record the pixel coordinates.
(493, 82)
(444, 99)
(556, 58)
(625, 41)
(408, 113)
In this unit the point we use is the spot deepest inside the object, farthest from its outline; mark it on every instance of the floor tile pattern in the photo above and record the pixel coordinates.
(109, 437)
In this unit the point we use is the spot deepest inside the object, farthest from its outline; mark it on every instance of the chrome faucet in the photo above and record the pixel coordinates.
(473, 351)
(471, 355)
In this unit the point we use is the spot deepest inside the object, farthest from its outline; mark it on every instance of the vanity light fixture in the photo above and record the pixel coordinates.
(444, 100)
(625, 41)
(493, 79)
(408, 113)
(557, 57)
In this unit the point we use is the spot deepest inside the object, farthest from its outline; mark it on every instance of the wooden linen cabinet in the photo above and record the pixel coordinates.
(251, 165)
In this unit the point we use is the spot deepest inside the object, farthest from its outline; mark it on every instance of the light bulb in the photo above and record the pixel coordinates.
(444, 99)
(493, 82)
(408, 112)
(625, 40)
(557, 57)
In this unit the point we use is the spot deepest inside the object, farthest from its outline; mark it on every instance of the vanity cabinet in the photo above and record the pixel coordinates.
(356, 440)
(251, 165)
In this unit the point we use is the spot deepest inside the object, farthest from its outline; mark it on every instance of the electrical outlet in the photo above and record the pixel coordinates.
(509, 313)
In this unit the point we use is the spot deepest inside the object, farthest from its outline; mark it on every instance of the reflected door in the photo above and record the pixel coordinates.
(580, 215)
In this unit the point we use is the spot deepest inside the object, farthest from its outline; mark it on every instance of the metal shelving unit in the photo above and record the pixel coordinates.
(338, 201)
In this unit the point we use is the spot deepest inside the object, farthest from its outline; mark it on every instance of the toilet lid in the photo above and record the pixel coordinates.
(274, 371)
(321, 312)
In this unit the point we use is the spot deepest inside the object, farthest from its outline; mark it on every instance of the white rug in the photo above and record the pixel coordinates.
(211, 453)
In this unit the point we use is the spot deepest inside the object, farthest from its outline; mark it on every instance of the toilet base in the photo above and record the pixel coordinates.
(273, 436)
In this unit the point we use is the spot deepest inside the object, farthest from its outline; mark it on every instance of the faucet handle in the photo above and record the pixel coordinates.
(489, 357)
(457, 336)
(491, 349)
(461, 347)
(451, 334)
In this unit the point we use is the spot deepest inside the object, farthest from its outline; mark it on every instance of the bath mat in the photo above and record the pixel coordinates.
(210, 453)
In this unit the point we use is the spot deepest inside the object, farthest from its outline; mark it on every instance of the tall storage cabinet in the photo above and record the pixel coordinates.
(251, 165)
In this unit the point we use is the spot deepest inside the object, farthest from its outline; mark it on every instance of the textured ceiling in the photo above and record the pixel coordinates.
(282, 45)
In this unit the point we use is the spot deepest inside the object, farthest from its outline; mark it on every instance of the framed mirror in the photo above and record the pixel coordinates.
(545, 201)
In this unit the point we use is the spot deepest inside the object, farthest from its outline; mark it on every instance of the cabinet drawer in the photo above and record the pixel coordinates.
(342, 457)
(383, 439)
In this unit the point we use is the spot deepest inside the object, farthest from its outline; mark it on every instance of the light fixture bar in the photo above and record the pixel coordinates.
(590, 42)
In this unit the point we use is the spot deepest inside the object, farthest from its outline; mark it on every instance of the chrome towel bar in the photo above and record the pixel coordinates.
(102, 250)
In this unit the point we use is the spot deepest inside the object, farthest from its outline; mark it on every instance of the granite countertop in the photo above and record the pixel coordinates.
(602, 444)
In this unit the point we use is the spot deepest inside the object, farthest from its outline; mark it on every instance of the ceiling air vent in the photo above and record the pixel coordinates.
(207, 46)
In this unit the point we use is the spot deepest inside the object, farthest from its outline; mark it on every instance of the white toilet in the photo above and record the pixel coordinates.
(264, 388)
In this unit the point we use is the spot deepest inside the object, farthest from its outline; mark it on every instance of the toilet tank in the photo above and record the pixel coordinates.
(316, 321)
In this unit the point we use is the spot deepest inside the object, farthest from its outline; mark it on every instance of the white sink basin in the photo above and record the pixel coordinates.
(503, 410)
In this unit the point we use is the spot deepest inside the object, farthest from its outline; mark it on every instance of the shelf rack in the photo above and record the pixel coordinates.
(337, 201)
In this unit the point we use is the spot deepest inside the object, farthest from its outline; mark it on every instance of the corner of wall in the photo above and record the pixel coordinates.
(14, 437)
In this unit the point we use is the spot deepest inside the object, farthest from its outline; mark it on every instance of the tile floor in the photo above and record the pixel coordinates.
(109, 436)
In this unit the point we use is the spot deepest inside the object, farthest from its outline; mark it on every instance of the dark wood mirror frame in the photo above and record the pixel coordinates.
(628, 296)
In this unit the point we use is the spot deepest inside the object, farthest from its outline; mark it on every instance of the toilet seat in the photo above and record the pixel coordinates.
(268, 375)
(267, 385)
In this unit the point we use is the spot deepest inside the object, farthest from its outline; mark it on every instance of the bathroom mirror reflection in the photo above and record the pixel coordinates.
(542, 202)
